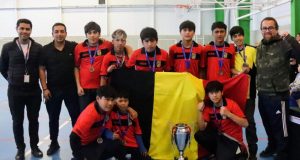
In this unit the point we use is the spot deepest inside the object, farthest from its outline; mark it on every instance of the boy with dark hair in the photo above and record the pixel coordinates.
(88, 59)
(149, 58)
(245, 59)
(128, 130)
(185, 56)
(116, 58)
(218, 54)
(220, 123)
(86, 138)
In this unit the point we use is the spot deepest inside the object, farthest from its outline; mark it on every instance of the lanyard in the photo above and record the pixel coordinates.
(105, 119)
(152, 68)
(119, 62)
(220, 57)
(26, 53)
(129, 123)
(219, 121)
(187, 61)
(244, 54)
(92, 55)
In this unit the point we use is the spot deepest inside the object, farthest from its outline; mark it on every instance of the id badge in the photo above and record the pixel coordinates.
(26, 78)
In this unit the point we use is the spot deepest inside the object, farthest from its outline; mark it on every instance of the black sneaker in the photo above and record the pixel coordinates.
(268, 152)
(36, 152)
(20, 155)
(53, 147)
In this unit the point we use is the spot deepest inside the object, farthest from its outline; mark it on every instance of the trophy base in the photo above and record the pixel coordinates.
(181, 158)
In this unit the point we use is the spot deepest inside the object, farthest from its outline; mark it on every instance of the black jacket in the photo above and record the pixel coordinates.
(12, 64)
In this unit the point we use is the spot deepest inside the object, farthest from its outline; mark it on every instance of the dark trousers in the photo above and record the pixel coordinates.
(273, 110)
(88, 97)
(17, 100)
(134, 152)
(53, 105)
(223, 147)
(251, 135)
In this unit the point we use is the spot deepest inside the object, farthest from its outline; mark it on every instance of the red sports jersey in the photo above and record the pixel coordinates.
(90, 123)
(212, 59)
(138, 59)
(90, 79)
(177, 61)
(126, 127)
(226, 125)
(110, 59)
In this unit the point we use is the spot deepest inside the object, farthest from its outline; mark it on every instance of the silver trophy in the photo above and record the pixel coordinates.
(181, 134)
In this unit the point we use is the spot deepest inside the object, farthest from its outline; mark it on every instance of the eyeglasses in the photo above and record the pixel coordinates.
(264, 29)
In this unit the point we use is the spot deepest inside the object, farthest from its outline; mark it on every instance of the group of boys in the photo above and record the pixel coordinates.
(95, 59)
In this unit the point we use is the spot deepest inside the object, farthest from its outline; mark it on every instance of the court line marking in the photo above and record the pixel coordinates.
(46, 138)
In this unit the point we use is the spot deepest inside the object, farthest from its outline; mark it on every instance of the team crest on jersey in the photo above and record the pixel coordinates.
(158, 63)
(193, 55)
(225, 55)
(99, 53)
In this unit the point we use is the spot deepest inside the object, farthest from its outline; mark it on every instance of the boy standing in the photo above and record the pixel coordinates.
(88, 59)
(150, 58)
(128, 130)
(86, 138)
(218, 54)
(220, 123)
(185, 56)
(245, 59)
(117, 58)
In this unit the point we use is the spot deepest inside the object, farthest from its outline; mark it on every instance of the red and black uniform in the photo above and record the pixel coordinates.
(129, 131)
(86, 138)
(214, 56)
(143, 61)
(89, 74)
(178, 61)
(222, 136)
(111, 59)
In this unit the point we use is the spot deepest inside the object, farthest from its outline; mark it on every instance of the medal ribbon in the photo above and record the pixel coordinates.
(187, 61)
(124, 132)
(92, 55)
(152, 68)
(220, 57)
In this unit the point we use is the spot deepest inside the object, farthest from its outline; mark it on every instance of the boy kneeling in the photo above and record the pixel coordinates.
(86, 138)
(220, 123)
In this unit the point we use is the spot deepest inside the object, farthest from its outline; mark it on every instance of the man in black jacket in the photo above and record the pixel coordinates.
(19, 66)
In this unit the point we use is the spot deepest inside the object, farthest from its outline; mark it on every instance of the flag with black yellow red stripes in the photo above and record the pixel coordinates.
(163, 99)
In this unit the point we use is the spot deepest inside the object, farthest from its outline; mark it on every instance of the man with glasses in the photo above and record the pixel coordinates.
(273, 54)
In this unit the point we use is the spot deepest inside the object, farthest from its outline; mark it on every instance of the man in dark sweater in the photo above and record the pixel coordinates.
(19, 66)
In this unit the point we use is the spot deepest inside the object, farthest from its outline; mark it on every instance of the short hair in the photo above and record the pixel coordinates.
(236, 30)
(24, 20)
(122, 94)
(106, 91)
(119, 33)
(214, 86)
(218, 24)
(149, 33)
(92, 26)
(59, 24)
(187, 24)
(270, 19)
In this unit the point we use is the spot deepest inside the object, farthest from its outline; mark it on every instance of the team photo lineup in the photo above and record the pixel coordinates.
(118, 97)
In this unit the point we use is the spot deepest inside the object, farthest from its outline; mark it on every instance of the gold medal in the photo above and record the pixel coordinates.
(99, 140)
(91, 69)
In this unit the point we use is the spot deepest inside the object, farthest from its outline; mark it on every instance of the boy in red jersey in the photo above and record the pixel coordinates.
(220, 123)
(185, 56)
(218, 54)
(86, 138)
(150, 58)
(117, 58)
(88, 58)
(128, 130)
